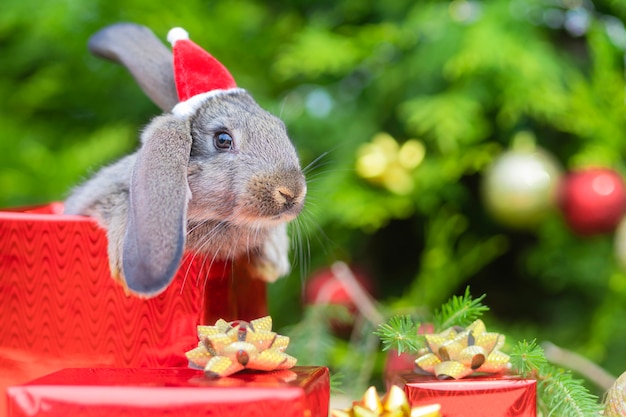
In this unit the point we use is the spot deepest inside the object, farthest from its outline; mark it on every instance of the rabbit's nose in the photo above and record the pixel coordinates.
(289, 197)
(277, 196)
(285, 197)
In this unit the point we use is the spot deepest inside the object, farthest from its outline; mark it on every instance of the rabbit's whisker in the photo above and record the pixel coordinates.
(189, 254)
(206, 240)
(313, 164)
(208, 237)
(304, 252)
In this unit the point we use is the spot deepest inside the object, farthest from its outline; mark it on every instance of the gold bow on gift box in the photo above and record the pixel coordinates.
(226, 348)
(393, 404)
(457, 352)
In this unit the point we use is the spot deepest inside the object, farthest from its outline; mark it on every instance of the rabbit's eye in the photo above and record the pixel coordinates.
(223, 140)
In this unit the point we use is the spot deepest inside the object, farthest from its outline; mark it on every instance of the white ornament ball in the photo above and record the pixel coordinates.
(520, 187)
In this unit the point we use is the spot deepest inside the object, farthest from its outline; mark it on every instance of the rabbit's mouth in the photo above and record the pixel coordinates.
(227, 240)
(256, 222)
(280, 210)
(275, 198)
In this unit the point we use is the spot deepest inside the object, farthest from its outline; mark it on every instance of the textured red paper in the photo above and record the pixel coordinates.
(495, 396)
(298, 392)
(60, 308)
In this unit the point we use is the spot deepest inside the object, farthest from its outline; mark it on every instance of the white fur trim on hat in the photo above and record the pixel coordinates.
(176, 34)
(188, 107)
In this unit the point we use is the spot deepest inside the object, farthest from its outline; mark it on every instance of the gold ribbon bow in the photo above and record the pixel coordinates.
(457, 352)
(393, 404)
(226, 348)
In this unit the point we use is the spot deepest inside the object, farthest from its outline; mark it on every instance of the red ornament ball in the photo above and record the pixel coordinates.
(592, 200)
(323, 287)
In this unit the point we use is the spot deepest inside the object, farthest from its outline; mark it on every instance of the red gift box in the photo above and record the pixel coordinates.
(297, 392)
(482, 396)
(60, 307)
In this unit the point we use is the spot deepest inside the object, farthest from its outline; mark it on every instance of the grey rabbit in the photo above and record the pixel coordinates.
(219, 177)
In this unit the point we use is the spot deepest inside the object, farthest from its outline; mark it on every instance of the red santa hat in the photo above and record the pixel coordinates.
(197, 73)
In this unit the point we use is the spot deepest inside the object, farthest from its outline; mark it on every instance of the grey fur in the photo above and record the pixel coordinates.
(180, 192)
(142, 53)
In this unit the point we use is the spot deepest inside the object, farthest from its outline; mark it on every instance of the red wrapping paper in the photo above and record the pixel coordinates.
(60, 307)
(492, 396)
(298, 392)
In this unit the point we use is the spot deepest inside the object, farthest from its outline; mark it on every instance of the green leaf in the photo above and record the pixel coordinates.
(315, 52)
(449, 119)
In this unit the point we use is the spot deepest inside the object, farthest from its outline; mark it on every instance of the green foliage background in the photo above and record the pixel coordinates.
(464, 78)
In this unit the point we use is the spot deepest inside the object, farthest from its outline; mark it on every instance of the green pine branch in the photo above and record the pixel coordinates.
(337, 380)
(400, 333)
(559, 394)
(527, 358)
(459, 311)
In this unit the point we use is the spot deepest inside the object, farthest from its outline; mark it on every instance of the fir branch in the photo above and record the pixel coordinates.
(565, 396)
(558, 392)
(400, 333)
(336, 382)
(580, 365)
(459, 311)
(527, 359)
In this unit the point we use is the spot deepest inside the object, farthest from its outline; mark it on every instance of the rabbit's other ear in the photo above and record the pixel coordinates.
(144, 55)
(157, 215)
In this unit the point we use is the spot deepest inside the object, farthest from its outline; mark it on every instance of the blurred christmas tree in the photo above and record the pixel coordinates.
(404, 111)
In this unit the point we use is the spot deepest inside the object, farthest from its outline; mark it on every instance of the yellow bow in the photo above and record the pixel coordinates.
(457, 353)
(393, 404)
(226, 348)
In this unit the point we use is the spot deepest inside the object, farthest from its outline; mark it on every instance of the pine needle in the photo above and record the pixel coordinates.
(565, 396)
(399, 333)
(337, 380)
(559, 394)
(459, 311)
(527, 358)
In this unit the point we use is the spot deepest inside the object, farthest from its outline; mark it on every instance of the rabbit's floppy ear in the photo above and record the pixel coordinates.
(144, 55)
(159, 193)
